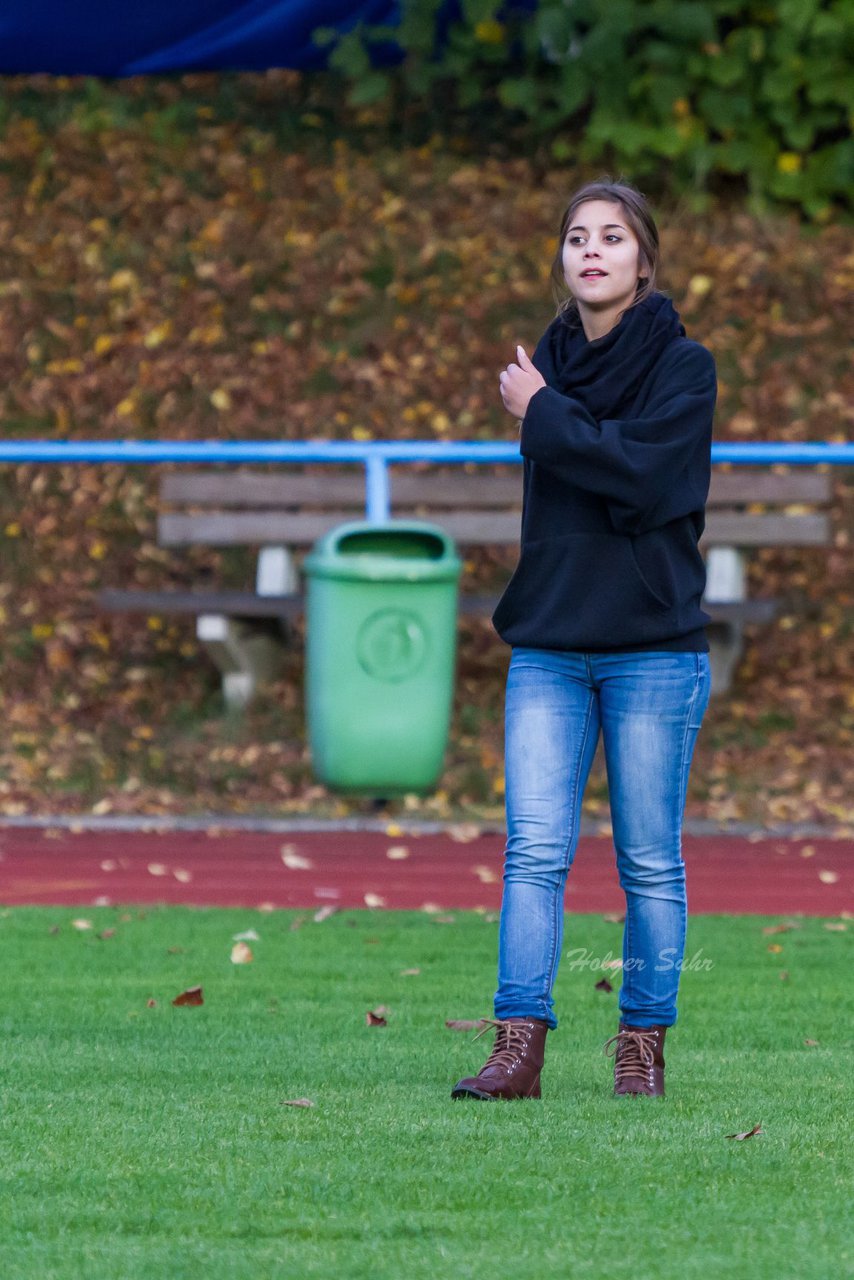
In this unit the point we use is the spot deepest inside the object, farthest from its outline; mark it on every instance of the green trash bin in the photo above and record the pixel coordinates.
(380, 646)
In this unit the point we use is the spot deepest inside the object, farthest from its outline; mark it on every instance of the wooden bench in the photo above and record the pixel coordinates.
(282, 513)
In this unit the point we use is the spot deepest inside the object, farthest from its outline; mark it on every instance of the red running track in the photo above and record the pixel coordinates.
(725, 874)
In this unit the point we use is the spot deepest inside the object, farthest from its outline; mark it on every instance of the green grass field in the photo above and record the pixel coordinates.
(141, 1142)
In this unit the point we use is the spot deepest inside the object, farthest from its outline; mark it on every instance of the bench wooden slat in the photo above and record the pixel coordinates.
(241, 604)
(261, 489)
(736, 529)
(301, 529)
(457, 488)
(247, 528)
(236, 604)
(718, 611)
(752, 484)
(408, 488)
(741, 610)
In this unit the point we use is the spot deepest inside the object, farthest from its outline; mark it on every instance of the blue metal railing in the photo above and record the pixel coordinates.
(376, 456)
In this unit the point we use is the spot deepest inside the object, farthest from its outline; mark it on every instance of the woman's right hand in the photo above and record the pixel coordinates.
(518, 383)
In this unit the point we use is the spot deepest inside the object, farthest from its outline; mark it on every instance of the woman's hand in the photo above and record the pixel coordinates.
(518, 382)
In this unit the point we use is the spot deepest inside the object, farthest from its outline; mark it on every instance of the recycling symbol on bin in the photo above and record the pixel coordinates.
(392, 644)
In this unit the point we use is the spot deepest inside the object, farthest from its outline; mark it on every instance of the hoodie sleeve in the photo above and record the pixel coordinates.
(650, 469)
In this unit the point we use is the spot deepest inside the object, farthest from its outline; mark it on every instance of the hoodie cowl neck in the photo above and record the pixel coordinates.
(605, 374)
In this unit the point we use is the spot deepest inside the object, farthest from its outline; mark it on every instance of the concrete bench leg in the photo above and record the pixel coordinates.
(276, 573)
(247, 653)
(725, 584)
(726, 645)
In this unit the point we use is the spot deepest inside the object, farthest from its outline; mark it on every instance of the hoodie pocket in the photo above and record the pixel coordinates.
(580, 589)
(651, 568)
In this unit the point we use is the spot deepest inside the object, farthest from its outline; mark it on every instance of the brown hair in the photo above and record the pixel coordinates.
(639, 218)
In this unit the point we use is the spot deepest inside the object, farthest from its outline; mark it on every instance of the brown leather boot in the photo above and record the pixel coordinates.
(638, 1059)
(513, 1068)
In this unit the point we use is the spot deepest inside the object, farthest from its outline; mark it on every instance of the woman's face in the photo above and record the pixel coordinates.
(599, 241)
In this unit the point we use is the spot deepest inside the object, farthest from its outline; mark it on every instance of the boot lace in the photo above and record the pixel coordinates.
(511, 1041)
(633, 1053)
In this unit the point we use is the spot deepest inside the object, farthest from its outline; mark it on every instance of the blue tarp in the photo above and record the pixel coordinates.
(150, 37)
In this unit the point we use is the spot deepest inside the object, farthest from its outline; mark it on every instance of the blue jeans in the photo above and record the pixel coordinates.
(649, 706)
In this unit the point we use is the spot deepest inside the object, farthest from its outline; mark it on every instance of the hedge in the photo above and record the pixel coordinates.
(752, 93)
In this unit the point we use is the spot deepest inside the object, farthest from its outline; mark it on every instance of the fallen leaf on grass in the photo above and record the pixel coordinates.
(811, 1042)
(409, 973)
(174, 951)
(241, 954)
(748, 1133)
(323, 913)
(81, 924)
(602, 985)
(248, 935)
(107, 933)
(835, 926)
(297, 1102)
(151, 1004)
(613, 918)
(376, 1017)
(784, 975)
(397, 852)
(193, 995)
(776, 947)
(464, 1024)
(778, 928)
(295, 861)
(444, 920)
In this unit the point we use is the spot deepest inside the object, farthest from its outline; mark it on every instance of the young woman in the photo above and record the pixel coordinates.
(603, 616)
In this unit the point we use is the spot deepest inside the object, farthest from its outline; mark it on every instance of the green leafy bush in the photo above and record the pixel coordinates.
(752, 92)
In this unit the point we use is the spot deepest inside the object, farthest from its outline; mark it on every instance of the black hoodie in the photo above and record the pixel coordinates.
(616, 452)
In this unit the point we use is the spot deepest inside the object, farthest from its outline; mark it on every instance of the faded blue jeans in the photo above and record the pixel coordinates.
(649, 706)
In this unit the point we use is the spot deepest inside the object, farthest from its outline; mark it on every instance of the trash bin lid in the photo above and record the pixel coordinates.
(392, 551)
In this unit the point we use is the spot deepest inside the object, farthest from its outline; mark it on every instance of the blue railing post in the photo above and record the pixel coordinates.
(377, 494)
